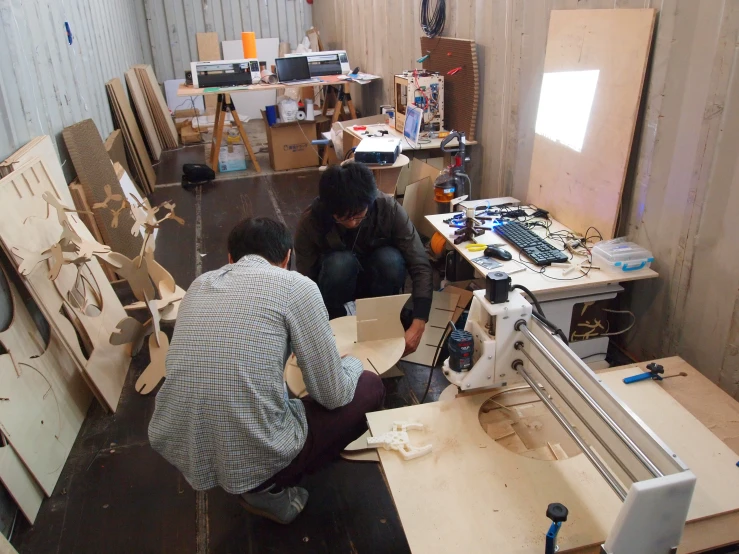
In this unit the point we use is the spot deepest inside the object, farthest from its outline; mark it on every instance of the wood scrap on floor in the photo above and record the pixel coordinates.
(143, 171)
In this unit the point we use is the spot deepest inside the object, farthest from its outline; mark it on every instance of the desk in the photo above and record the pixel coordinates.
(559, 293)
(432, 144)
(461, 510)
(225, 104)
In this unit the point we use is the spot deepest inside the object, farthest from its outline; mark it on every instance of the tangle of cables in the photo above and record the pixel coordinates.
(432, 24)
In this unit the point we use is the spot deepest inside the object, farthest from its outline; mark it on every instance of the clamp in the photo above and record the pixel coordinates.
(654, 373)
(558, 514)
(397, 439)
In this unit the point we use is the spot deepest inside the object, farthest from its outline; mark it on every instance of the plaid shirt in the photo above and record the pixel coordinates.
(223, 417)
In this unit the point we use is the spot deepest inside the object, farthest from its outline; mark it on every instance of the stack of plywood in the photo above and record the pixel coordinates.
(142, 169)
(156, 109)
(48, 381)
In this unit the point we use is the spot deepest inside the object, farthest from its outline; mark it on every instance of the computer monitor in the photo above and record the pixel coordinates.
(292, 69)
(412, 127)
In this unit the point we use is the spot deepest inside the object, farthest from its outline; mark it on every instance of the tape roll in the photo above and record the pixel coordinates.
(301, 116)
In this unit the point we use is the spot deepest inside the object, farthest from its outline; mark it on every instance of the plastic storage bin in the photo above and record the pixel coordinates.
(620, 255)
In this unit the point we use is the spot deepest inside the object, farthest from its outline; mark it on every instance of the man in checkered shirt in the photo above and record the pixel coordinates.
(223, 416)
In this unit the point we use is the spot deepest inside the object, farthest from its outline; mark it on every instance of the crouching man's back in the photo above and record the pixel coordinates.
(223, 417)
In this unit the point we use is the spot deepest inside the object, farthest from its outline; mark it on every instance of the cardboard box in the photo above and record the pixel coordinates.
(232, 157)
(290, 144)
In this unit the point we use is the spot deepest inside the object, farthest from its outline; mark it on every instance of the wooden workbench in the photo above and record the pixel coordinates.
(552, 280)
(449, 501)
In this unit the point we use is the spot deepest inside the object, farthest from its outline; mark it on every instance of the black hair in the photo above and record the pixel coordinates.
(347, 190)
(262, 236)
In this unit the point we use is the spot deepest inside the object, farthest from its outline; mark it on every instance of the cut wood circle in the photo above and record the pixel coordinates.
(377, 356)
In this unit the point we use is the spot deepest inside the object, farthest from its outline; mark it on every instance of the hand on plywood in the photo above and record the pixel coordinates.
(413, 336)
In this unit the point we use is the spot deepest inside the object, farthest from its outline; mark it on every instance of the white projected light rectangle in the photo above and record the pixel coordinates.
(564, 106)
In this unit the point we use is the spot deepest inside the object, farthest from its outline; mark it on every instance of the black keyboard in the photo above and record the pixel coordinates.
(535, 247)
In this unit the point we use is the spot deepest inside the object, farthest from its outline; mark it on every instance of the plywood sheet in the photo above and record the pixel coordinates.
(377, 356)
(488, 499)
(157, 105)
(115, 145)
(462, 89)
(27, 225)
(145, 117)
(95, 171)
(20, 483)
(39, 147)
(47, 398)
(582, 186)
(208, 50)
(131, 133)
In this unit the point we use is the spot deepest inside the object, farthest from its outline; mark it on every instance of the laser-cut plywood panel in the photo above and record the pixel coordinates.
(582, 185)
(28, 227)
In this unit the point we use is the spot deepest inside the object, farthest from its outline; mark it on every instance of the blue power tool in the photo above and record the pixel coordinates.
(655, 373)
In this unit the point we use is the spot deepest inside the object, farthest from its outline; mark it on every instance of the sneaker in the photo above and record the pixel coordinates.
(281, 507)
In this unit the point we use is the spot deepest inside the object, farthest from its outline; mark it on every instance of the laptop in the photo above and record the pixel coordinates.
(293, 70)
(412, 127)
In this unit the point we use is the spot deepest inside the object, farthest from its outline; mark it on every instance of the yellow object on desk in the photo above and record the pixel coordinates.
(474, 247)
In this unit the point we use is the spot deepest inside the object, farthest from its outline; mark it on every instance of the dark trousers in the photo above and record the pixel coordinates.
(330, 431)
(344, 277)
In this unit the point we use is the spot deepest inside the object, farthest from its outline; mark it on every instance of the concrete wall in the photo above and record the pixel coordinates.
(46, 83)
(174, 23)
(681, 198)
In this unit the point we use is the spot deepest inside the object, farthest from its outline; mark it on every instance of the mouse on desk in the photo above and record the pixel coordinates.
(497, 252)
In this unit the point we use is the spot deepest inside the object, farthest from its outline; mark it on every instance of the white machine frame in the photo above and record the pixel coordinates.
(214, 66)
(338, 57)
(511, 345)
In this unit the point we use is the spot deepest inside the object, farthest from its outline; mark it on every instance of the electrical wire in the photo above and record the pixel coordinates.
(432, 24)
(436, 353)
(538, 313)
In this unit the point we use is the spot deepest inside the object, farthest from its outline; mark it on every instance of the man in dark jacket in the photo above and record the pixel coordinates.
(357, 242)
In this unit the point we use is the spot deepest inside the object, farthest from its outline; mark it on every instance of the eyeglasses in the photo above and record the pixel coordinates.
(355, 219)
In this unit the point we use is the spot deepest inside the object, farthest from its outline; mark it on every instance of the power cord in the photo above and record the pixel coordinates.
(436, 353)
(432, 24)
(538, 313)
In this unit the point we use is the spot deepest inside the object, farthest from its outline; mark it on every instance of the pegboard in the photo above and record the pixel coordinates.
(462, 89)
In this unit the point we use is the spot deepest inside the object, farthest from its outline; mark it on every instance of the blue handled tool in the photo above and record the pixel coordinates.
(654, 373)
(558, 514)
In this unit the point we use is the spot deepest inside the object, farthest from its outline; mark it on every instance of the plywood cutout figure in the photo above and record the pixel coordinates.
(156, 370)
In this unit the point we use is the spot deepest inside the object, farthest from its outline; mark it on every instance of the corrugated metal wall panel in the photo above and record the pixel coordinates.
(173, 24)
(47, 84)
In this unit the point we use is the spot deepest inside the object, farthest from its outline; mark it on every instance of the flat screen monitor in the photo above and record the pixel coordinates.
(292, 69)
(412, 127)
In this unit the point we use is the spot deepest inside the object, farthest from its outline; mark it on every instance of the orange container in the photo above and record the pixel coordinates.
(249, 42)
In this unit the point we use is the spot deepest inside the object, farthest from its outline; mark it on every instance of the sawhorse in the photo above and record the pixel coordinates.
(343, 97)
(225, 105)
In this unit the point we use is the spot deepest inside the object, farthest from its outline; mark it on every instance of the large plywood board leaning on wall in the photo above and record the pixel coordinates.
(79, 303)
(145, 116)
(482, 488)
(593, 77)
(47, 398)
(462, 87)
(143, 170)
(19, 482)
